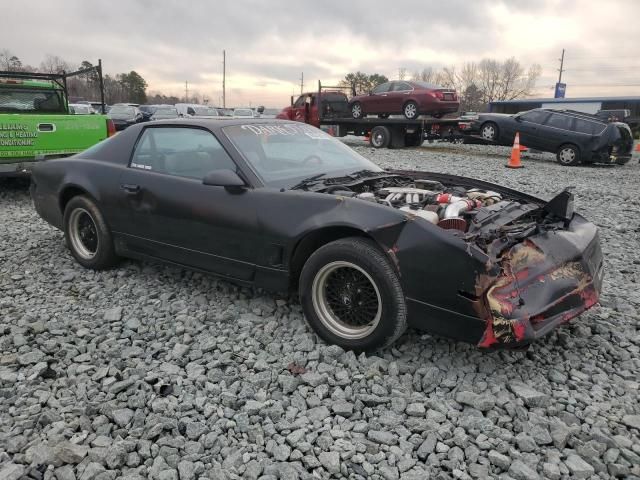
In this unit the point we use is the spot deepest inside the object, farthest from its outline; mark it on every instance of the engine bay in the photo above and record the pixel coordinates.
(449, 207)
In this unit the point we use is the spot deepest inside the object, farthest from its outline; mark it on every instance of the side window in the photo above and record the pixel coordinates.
(382, 88)
(191, 111)
(558, 120)
(183, 152)
(535, 116)
(299, 102)
(401, 87)
(585, 126)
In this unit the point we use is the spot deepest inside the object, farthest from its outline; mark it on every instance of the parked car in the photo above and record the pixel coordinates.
(410, 99)
(574, 137)
(81, 109)
(164, 112)
(147, 112)
(124, 116)
(284, 206)
(466, 116)
(243, 113)
(195, 110)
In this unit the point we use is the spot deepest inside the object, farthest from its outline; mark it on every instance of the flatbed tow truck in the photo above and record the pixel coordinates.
(334, 117)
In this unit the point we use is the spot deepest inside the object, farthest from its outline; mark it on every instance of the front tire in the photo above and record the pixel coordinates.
(87, 234)
(410, 110)
(356, 110)
(568, 155)
(351, 295)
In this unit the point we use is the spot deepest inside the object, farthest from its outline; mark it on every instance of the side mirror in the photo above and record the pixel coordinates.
(226, 178)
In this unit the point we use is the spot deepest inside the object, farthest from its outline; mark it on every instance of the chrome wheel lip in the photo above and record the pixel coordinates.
(567, 155)
(410, 110)
(75, 236)
(326, 315)
(486, 129)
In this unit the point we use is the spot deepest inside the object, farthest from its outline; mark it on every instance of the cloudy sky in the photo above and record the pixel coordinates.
(270, 42)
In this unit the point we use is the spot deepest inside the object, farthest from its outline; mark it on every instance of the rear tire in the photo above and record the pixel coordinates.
(568, 155)
(351, 295)
(489, 131)
(87, 234)
(356, 110)
(410, 110)
(380, 137)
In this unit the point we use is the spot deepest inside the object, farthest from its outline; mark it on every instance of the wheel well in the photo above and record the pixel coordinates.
(68, 193)
(312, 242)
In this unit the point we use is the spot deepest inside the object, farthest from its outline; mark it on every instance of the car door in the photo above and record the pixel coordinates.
(529, 125)
(299, 109)
(400, 92)
(557, 130)
(375, 103)
(174, 216)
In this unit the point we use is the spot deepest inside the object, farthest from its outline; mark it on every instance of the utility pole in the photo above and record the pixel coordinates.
(561, 65)
(224, 74)
(186, 91)
(301, 83)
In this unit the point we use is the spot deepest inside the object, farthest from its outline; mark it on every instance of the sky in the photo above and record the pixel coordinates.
(269, 43)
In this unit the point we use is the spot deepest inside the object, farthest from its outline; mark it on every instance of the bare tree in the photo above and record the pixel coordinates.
(402, 73)
(485, 81)
(54, 64)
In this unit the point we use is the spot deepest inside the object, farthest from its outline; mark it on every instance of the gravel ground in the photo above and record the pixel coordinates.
(149, 371)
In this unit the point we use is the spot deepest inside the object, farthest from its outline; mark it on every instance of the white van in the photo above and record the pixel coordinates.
(195, 110)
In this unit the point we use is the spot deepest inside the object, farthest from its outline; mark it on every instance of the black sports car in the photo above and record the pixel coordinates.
(574, 137)
(283, 205)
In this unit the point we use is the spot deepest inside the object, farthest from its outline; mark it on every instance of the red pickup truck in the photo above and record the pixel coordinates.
(335, 104)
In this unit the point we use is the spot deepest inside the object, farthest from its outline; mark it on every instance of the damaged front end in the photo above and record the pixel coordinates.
(482, 263)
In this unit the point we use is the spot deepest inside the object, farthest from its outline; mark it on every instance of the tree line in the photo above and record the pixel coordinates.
(477, 83)
(122, 87)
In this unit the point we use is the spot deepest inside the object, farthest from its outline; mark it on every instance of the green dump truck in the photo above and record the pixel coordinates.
(36, 124)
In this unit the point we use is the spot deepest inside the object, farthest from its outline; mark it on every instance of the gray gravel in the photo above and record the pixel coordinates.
(149, 371)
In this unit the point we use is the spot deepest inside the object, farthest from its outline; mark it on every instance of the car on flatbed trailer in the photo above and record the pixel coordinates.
(36, 123)
(329, 108)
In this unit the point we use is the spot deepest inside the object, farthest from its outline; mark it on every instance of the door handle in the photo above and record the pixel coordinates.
(130, 188)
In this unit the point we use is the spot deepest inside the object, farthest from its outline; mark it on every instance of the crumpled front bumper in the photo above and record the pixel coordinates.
(545, 281)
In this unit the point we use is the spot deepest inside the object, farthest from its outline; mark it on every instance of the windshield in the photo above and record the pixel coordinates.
(121, 110)
(282, 154)
(23, 100)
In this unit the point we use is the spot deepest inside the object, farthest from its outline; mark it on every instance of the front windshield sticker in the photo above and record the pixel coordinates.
(287, 130)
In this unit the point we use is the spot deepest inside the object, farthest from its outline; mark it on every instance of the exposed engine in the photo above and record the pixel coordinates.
(447, 207)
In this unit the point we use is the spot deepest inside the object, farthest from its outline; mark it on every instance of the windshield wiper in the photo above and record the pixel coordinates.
(307, 181)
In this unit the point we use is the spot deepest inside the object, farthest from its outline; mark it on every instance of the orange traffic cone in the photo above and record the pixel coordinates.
(514, 161)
